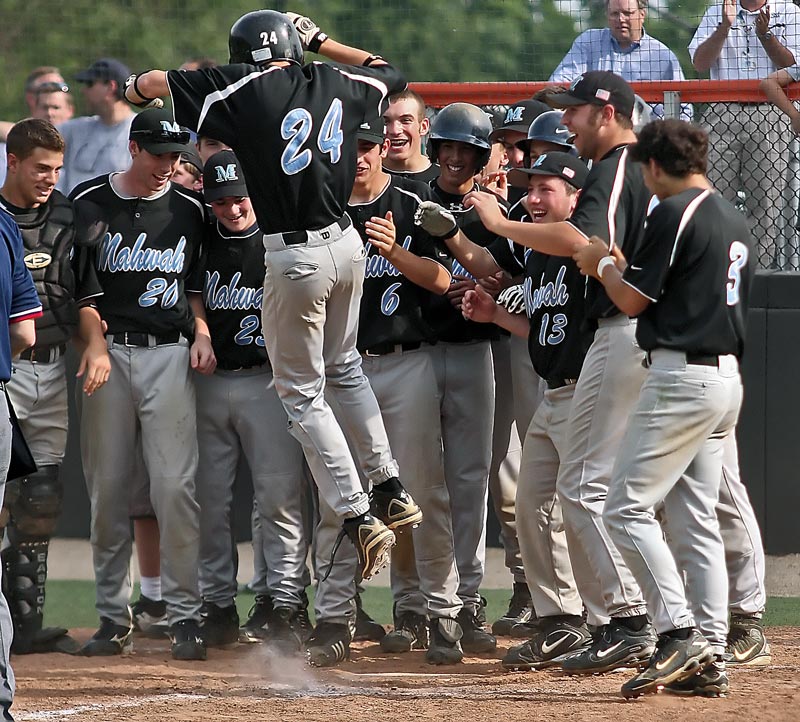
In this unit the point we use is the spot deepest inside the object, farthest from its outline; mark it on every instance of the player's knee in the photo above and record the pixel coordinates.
(38, 504)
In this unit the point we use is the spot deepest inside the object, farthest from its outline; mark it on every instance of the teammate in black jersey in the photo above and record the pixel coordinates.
(688, 283)
(406, 126)
(133, 281)
(238, 412)
(293, 127)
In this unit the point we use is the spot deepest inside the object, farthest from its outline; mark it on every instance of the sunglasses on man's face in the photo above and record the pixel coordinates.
(52, 87)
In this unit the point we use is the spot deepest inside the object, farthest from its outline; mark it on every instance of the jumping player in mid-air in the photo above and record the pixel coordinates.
(293, 127)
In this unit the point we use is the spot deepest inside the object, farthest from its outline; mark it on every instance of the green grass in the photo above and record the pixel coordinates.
(71, 604)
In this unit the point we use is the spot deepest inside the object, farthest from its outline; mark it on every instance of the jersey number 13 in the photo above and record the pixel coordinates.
(296, 127)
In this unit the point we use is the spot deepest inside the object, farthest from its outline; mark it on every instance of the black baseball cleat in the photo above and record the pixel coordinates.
(525, 630)
(219, 626)
(673, 661)
(287, 629)
(557, 637)
(254, 629)
(410, 632)
(444, 646)
(150, 617)
(396, 508)
(373, 542)
(187, 640)
(613, 646)
(328, 644)
(367, 629)
(109, 640)
(520, 611)
(475, 639)
(747, 646)
(711, 682)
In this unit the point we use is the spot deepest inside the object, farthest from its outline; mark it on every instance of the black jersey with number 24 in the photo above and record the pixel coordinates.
(293, 129)
(695, 265)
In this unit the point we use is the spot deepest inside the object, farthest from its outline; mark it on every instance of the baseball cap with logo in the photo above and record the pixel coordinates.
(105, 69)
(519, 117)
(597, 87)
(156, 131)
(372, 130)
(223, 177)
(562, 165)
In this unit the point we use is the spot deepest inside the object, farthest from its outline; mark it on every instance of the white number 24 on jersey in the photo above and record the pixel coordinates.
(738, 253)
(296, 127)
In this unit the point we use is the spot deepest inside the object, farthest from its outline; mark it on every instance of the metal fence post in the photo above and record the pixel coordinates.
(672, 104)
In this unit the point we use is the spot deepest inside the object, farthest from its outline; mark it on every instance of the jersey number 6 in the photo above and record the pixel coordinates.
(296, 127)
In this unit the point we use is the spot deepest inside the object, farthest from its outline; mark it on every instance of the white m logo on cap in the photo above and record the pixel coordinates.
(168, 127)
(226, 173)
(514, 115)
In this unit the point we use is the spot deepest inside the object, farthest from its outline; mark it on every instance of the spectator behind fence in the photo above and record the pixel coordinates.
(623, 48)
(749, 142)
(98, 143)
(773, 87)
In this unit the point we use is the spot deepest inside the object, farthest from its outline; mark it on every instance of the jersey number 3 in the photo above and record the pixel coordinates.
(738, 254)
(296, 127)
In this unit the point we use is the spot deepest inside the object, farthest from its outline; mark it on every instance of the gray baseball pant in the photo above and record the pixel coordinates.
(240, 409)
(672, 454)
(312, 295)
(149, 391)
(38, 392)
(605, 396)
(465, 380)
(7, 681)
(506, 457)
(540, 525)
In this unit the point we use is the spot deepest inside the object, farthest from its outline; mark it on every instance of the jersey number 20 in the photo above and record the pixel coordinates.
(296, 127)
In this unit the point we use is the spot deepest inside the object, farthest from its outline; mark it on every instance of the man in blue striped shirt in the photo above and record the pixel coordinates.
(623, 48)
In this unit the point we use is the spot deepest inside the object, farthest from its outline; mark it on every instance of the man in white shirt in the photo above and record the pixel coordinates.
(749, 142)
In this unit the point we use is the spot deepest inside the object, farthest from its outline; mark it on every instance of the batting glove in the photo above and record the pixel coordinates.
(311, 37)
(145, 102)
(435, 220)
(512, 299)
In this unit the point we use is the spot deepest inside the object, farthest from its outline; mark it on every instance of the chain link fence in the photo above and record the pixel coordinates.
(754, 159)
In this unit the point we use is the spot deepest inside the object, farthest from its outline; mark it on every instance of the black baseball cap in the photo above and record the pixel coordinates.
(105, 69)
(223, 177)
(156, 131)
(519, 117)
(372, 130)
(597, 87)
(191, 156)
(562, 165)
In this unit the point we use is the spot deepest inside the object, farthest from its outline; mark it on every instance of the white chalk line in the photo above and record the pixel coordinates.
(103, 706)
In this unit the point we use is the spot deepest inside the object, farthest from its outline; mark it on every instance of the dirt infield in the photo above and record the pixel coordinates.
(246, 684)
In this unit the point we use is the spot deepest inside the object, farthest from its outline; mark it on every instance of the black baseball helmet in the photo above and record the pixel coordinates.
(549, 129)
(263, 36)
(465, 123)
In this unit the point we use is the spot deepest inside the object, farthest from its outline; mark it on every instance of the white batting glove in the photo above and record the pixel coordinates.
(434, 219)
(131, 89)
(311, 37)
(512, 299)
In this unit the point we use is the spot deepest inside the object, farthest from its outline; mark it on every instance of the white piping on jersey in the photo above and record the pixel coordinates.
(181, 191)
(89, 190)
(371, 201)
(26, 312)
(613, 199)
(218, 95)
(374, 82)
(639, 291)
(226, 234)
(688, 212)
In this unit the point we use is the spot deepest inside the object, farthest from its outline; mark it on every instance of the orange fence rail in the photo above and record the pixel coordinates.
(691, 91)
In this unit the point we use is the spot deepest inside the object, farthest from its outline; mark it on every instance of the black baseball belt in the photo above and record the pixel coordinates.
(298, 238)
(134, 338)
(47, 355)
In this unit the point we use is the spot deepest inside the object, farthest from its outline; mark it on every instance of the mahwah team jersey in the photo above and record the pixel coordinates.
(555, 304)
(136, 274)
(426, 175)
(230, 276)
(695, 264)
(293, 130)
(449, 323)
(391, 305)
(612, 205)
